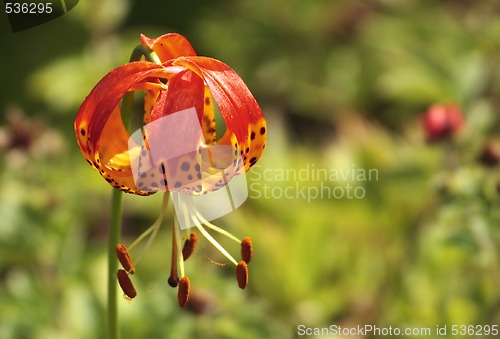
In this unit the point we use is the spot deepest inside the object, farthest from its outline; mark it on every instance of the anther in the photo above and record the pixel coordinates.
(124, 258)
(242, 274)
(189, 246)
(183, 292)
(246, 249)
(126, 284)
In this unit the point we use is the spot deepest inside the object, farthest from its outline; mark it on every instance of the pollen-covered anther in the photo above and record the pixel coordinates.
(246, 249)
(242, 274)
(183, 292)
(124, 258)
(189, 246)
(126, 284)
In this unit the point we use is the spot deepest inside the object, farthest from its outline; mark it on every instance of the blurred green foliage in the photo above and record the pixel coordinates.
(342, 84)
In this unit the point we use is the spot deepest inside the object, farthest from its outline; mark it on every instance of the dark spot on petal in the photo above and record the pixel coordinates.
(198, 175)
(262, 130)
(207, 101)
(197, 167)
(82, 132)
(190, 177)
(185, 166)
(252, 135)
(163, 182)
(177, 184)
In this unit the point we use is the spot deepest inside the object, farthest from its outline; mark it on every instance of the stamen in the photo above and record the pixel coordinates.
(214, 242)
(246, 249)
(153, 229)
(188, 204)
(177, 236)
(124, 258)
(215, 228)
(183, 293)
(173, 280)
(189, 246)
(126, 284)
(242, 274)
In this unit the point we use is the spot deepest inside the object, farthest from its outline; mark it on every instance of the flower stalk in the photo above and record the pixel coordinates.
(117, 206)
(113, 239)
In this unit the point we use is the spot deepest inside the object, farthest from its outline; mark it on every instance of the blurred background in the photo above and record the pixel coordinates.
(344, 85)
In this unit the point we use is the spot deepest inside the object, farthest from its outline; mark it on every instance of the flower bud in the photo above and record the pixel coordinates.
(442, 121)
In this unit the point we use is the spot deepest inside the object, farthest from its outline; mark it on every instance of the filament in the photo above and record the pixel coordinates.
(153, 229)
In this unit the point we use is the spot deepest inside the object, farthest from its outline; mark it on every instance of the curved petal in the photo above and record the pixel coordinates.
(101, 135)
(191, 82)
(169, 46)
(185, 90)
(246, 126)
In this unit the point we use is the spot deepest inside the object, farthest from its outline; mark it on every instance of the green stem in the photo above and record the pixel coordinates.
(127, 103)
(114, 238)
(143, 51)
(117, 205)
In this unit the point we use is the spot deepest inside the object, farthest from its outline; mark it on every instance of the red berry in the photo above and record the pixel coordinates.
(442, 121)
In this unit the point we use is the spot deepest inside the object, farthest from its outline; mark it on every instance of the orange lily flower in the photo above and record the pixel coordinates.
(182, 81)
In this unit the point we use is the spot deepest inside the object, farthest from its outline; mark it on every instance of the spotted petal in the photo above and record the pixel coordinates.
(183, 81)
(246, 126)
(101, 135)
